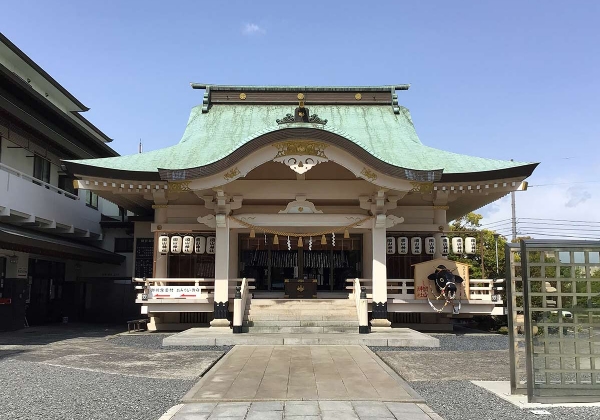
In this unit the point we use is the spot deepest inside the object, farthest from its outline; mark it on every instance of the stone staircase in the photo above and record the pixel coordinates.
(301, 316)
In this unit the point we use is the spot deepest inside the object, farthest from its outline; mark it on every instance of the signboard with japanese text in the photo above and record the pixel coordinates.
(175, 292)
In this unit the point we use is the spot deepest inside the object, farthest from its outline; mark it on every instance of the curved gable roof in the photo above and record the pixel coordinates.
(215, 134)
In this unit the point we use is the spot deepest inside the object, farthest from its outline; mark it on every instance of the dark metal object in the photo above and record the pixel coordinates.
(363, 292)
(379, 310)
(238, 292)
(221, 310)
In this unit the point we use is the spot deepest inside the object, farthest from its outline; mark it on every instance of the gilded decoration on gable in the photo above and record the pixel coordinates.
(242, 96)
(300, 155)
(232, 173)
(422, 187)
(289, 118)
(179, 186)
(300, 148)
(358, 96)
(367, 173)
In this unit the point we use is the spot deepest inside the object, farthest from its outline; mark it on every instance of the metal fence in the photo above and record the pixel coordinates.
(553, 293)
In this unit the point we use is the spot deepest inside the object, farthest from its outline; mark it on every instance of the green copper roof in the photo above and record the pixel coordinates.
(212, 136)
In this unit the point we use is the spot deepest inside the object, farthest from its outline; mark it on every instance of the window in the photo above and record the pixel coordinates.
(123, 245)
(41, 169)
(66, 183)
(91, 199)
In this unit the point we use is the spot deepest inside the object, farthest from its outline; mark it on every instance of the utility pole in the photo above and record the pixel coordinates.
(514, 217)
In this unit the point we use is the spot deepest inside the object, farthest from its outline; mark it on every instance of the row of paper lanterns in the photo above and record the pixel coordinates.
(187, 244)
(402, 245)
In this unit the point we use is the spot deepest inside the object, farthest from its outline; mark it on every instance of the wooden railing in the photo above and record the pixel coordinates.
(481, 289)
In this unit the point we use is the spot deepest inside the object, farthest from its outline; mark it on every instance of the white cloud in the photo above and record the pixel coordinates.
(252, 29)
(577, 196)
(552, 200)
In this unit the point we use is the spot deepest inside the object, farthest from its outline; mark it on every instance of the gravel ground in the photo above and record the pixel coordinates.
(154, 341)
(462, 400)
(37, 391)
(88, 372)
(458, 342)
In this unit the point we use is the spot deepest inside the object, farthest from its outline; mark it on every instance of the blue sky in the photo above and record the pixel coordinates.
(498, 79)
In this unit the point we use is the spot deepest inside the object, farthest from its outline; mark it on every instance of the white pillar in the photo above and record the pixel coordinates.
(379, 308)
(439, 219)
(221, 294)
(160, 216)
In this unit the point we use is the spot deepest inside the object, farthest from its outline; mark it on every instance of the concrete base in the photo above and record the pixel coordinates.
(219, 324)
(397, 337)
(502, 390)
(380, 324)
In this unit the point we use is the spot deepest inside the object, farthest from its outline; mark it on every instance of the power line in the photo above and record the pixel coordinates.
(557, 220)
(560, 236)
(557, 228)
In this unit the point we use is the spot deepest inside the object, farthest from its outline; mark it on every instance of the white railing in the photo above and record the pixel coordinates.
(240, 304)
(36, 181)
(366, 283)
(205, 286)
(401, 288)
(479, 289)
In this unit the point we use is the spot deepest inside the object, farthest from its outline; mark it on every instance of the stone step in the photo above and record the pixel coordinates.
(301, 317)
(296, 306)
(300, 330)
(267, 302)
(298, 323)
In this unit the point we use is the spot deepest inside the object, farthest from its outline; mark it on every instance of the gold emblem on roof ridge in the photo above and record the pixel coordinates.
(300, 96)
(242, 96)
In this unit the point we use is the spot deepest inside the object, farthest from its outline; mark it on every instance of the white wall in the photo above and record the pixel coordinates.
(16, 157)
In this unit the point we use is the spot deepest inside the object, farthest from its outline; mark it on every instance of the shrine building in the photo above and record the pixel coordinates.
(299, 193)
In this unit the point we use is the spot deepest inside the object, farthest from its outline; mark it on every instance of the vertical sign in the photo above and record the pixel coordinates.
(188, 244)
(200, 245)
(445, 245)
(457, 246)
(416, 245)
(211, 241)
(176, 244)
(163, 244)
(430, 245)
(390, 245)
(470, 245)
(403, 245)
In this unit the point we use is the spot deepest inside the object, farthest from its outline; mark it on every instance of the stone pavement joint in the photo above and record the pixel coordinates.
(313, 410)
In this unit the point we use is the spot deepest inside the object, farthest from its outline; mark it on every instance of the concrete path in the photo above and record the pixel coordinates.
(302, 410)
(301, 382)
(278, 373)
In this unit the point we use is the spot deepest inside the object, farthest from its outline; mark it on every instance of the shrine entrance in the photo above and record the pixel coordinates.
(272, 261)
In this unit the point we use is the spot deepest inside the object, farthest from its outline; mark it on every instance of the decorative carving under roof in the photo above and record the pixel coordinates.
(300, 206)
(300, 155)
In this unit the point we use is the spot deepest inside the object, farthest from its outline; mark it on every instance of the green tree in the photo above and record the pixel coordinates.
(470, 225)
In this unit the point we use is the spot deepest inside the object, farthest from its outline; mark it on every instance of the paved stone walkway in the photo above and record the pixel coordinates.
(301, 382)
(303, 410)
(279, 373)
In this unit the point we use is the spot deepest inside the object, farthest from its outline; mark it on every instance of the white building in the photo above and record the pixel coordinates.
(56, 260)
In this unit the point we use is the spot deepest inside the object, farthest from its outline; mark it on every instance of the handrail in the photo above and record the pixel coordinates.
(362, 308)
(36, 181)
(240, 304)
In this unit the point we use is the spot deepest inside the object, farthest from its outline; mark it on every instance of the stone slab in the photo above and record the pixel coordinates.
(393, 337)
(301, 373)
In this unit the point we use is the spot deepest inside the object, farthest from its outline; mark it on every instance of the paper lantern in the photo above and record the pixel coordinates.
(416, 245)
(176, 244)
(445, 245)
(390, 245)
(188, 244)
(163, 244)
(457, 246)
(403, 245)
(200, 245)
(211, 242)
(430, 245)
(470, 245)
